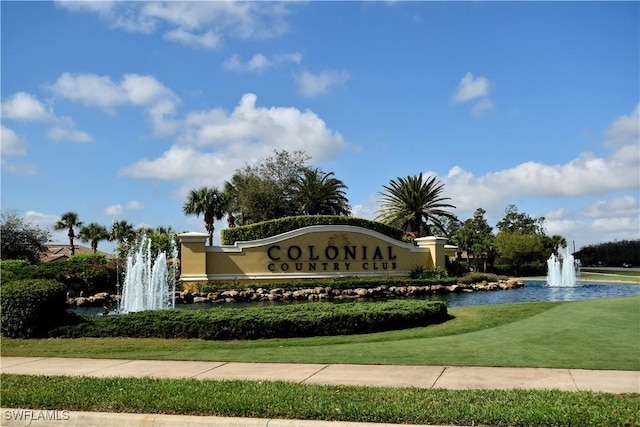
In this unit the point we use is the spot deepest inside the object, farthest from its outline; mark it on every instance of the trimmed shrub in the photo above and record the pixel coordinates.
(478, 277)
(30, 308)
(274, 227)
(283, 321)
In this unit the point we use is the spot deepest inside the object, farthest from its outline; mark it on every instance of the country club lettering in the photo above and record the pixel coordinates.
(331, 258)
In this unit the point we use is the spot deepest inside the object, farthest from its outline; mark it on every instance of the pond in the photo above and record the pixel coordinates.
(532, 292)
(537, 291)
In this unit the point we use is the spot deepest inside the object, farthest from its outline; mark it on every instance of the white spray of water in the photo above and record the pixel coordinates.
(149, 284)
(562, 270)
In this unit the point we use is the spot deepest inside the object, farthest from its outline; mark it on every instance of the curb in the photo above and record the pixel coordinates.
(43, 417)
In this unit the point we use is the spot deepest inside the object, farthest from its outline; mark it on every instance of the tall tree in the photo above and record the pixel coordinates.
(319, 193)
(210, 203)
(69, 221)
(20, 239)
(93, 233)
(262, 191)
(122, 231)
(412, 202)
(515, 221)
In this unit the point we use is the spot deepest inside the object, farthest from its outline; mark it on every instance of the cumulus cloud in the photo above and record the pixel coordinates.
(24, 107)
(476, 89)
(139, 90)
(311, 85)
(119, 209)
(196, 24)
(259, 62)
(10, 143)
(607, 179)
(212, 144)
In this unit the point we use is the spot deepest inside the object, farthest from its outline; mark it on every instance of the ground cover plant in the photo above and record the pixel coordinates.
(267, 399)
(596, 334)
(277, 321)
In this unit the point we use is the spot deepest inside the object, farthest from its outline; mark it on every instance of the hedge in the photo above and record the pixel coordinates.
(274, 227)
(282, 321)
(30, 308)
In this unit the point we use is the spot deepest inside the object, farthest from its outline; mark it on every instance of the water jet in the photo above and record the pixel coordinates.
(562, 270)
(150, 282)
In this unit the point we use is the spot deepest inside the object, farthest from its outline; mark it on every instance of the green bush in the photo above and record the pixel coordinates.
(283, 321)
(30, 308)
(478, 277)
(274, 227)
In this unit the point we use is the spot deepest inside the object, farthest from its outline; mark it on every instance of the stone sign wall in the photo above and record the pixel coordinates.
(315, 252)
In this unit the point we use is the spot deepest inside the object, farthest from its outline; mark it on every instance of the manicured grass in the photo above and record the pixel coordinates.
(630, 277)
(597, 334)
(347, 403)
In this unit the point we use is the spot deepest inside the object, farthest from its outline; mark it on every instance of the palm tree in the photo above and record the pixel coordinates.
(122, 231)
(319, 193)
(93, 233)
(210, 203)
(68, 221)
(412, 202)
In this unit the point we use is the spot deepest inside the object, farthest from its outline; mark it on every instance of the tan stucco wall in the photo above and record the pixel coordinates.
(311, 252)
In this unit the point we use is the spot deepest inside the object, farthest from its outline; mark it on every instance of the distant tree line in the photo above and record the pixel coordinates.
(610, 254)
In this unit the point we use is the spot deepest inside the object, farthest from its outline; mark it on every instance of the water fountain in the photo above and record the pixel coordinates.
(562, 270)
(149, 284)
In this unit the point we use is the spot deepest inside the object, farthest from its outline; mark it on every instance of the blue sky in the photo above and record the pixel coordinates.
(115, 110)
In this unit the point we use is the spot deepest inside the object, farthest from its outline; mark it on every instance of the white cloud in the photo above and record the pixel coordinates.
(260, 62)
(119, 209)
(25, 107)
(311, 85)
(208, 40)
(202, 24)
(214, 143)
(58, 133)
(474, 88)
(134, 89)
(585, 177)
(482, 106)
(471, 87)
(20, 169)
(10, 143)
(625, 131)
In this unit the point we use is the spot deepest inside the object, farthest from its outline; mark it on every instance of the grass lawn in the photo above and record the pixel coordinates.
(596, 334)
(266, 399)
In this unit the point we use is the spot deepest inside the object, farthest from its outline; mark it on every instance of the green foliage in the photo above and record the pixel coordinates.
(283, 321)
(611, 253)
(519, 250)
(93, 233)
(411, 203)
(274, 227)
(478, 278)
(90, 273)
(422, 272)
(210, 202)
(30, 308)
(20, 239)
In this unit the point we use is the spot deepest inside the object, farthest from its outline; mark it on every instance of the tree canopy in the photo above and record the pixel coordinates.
(20, 239)
(411, 203)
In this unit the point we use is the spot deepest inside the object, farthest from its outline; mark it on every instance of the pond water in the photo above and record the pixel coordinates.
(532, 292)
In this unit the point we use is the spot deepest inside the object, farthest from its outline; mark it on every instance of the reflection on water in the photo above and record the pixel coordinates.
(533, 291)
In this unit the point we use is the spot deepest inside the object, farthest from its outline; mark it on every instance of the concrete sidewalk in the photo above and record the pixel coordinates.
(429, 377)
(445, 377)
